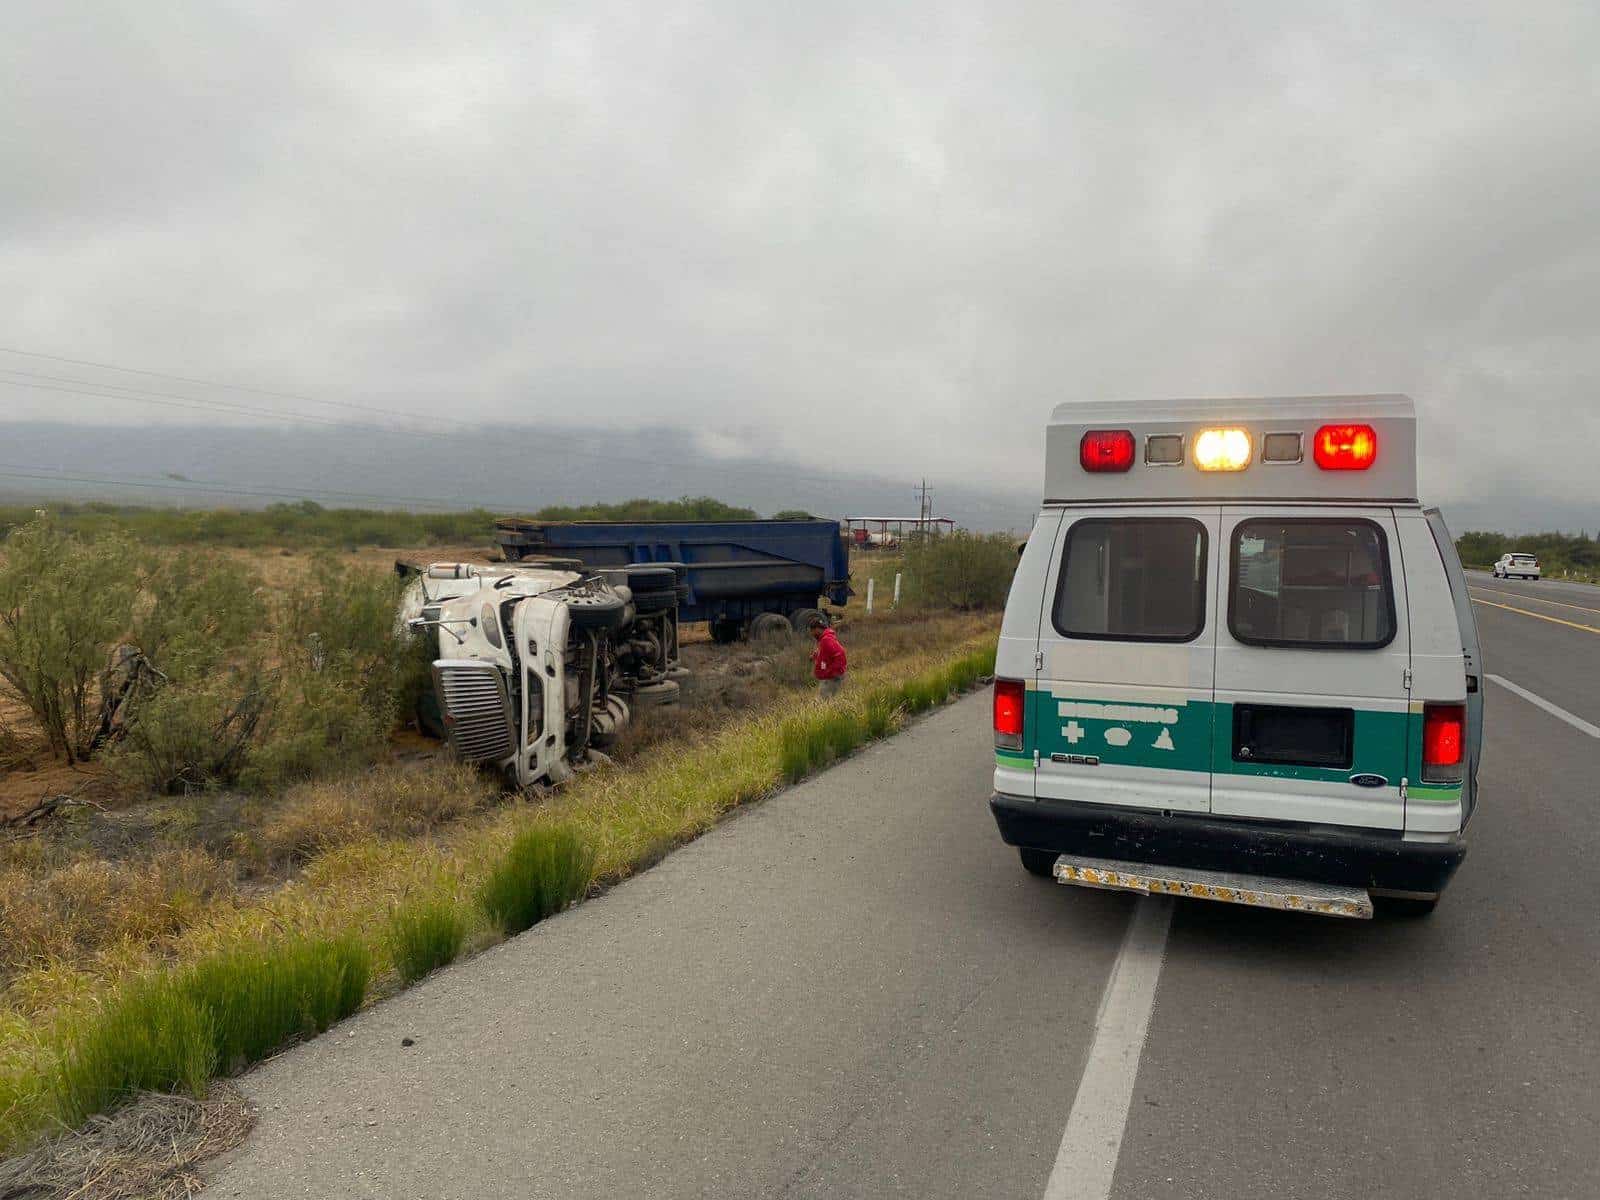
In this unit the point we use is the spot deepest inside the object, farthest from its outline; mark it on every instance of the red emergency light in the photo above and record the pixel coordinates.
(1444, 728)
(1345, 447)
(1106, 450)
(1010, 697)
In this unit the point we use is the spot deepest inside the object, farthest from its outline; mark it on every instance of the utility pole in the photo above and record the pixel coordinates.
(924, 506)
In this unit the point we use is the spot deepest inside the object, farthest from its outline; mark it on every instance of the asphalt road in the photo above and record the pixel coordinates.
(854, 990)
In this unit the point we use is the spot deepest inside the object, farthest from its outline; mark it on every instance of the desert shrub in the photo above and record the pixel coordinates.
(322, 721)
(339, 620)
(63, 604)
(393, 801)
(959, 570)
(151, 1036)
(546, 868)
(194, 733)
(199, 610)
(424, 935)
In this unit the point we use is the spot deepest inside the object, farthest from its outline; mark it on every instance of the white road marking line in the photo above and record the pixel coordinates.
(1555, 710)
(1087, 1159)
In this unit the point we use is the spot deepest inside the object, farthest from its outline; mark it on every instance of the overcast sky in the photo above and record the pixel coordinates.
(880, 237)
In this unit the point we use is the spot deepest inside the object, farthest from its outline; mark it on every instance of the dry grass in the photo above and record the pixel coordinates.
(389, 802)
(147, 1150)
(64, 912)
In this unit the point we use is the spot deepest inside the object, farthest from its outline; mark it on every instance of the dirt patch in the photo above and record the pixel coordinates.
(148, 1150)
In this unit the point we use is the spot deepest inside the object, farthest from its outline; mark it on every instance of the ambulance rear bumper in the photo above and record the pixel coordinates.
(1330, 854)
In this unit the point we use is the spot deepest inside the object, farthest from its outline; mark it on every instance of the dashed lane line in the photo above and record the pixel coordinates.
(1092, 1141)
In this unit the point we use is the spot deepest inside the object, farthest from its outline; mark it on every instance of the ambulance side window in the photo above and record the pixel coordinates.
(1312, 582)
(1132, 579)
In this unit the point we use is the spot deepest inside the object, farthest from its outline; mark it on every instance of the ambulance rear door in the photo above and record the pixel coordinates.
(1312, 666)
(1121, 710)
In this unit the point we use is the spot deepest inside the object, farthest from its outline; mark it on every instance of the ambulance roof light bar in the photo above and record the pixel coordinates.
(1296, 448)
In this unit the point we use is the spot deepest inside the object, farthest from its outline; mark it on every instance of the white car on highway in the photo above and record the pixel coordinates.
(1523, 566)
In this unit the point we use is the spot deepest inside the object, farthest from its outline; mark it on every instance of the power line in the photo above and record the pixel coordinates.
(216, 488)
(236, 387)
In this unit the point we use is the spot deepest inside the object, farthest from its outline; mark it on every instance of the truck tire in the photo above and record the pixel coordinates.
(513, 553)
(654, 695)
(597, 610)
(802, 619)
(769, 625)
(1038, 862)
(724, 632)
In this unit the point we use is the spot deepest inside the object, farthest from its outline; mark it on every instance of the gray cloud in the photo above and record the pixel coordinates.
(881, 238)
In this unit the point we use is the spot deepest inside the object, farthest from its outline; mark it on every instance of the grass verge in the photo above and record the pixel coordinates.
(239, 988)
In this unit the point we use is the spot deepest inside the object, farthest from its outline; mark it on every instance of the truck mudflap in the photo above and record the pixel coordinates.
(1259, 891)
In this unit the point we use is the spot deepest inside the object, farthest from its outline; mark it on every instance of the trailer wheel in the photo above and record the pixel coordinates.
(724, 632)
(802, 619)
(1038, 862)
(769, 625)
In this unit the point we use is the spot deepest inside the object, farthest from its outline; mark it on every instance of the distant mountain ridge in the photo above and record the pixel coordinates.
(506, 469)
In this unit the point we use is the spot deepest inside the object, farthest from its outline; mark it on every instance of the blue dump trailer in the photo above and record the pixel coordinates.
(755, 577)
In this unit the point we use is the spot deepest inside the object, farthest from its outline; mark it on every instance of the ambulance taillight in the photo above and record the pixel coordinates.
(1444, 728)
(1009, 698)
(1345, 447)
(1106, 450)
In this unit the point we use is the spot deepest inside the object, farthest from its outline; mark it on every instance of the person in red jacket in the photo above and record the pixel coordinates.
(828, 659)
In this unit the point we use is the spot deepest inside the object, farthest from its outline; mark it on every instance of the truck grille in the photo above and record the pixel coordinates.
(472, 698)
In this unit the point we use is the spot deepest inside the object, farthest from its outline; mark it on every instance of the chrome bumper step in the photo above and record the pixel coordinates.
(1261, 891)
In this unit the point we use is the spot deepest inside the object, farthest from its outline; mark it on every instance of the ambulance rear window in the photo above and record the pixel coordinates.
(1314, 582)
(1133, 579)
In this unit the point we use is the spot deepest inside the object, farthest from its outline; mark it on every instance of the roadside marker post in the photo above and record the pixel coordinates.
(871, 587)
(896, 603)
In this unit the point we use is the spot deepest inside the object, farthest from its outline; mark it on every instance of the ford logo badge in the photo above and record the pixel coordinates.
(1368, 780)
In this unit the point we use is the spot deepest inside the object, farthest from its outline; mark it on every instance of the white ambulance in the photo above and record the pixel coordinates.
(1238, 660)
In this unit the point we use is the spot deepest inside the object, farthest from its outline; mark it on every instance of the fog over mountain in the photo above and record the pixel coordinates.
(505, 468)
(856, 240)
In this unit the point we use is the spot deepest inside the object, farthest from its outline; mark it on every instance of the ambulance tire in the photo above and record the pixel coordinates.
(1404, 907)
(1038, 862)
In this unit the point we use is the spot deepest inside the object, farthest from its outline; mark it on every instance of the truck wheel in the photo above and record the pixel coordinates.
(769, 625)
(724, 632)
(596, 610)
(654, 695)
(513, 553)
(1038, 862)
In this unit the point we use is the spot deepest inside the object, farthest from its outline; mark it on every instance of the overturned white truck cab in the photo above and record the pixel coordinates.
(540, 666)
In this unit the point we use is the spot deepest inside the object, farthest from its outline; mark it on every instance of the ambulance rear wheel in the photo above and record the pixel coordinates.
(1409, 907)
(1038, 862)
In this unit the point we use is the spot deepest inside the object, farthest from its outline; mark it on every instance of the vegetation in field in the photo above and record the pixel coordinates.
(546, 868)
(1576, 554)
(306, 524)
(425, 934)
(174, 1032)
(525, 863)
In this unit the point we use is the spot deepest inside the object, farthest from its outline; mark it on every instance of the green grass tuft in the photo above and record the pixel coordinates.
(424, 935)
(546, 868)
(261, 997)
(152, 1036)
